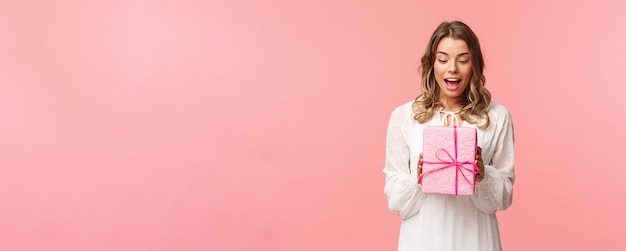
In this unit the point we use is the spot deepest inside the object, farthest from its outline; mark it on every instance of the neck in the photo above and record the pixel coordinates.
(448, 104)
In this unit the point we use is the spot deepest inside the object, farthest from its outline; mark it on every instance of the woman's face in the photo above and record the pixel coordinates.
(453, 67)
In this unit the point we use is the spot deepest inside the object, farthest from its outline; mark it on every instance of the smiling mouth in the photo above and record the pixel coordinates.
(452, 83)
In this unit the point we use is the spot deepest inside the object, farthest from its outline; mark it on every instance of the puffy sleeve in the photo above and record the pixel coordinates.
(495, 191)
(403, 193)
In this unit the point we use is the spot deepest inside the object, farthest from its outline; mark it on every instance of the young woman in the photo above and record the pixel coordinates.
(453, 93)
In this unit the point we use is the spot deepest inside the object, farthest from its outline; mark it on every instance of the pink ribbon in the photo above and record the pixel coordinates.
(460, 166)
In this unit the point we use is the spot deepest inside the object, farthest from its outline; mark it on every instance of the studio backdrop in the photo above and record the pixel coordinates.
(260, 125)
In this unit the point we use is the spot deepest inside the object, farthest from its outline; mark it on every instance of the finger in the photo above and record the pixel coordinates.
(420, 164)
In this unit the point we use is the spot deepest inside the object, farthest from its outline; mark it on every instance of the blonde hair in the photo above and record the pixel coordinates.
(476, 99)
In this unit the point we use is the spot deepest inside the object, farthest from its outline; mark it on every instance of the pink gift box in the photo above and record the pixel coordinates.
(448, 164)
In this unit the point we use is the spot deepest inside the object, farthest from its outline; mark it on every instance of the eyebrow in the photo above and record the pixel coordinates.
(462, 54)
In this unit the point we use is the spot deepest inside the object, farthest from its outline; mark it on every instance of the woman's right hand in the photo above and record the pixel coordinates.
(419, 166)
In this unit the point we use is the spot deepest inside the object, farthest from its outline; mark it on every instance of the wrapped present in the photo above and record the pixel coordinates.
(448, 160)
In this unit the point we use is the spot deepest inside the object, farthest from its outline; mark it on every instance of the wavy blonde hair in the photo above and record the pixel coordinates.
(476, 97)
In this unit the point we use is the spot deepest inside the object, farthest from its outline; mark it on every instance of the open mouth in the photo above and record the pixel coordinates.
(452, 83)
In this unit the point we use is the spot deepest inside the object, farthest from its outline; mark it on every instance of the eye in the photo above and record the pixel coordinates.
(463, 61)
(443, 61)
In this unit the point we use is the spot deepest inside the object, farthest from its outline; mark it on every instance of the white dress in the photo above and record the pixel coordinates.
(448, 222)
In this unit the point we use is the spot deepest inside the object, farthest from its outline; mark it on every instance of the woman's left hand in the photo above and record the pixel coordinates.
(479, 162)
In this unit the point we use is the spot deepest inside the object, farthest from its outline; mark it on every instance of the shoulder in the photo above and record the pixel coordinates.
(402, 112)
(498, 112)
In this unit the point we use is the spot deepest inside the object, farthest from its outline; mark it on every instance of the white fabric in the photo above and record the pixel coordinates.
(448, 222)
(453, 118)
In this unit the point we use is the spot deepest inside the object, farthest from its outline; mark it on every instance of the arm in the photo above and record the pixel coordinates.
(495, 191)
(403, 193)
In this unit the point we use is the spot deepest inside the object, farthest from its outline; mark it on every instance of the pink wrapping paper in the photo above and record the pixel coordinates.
(442, 173)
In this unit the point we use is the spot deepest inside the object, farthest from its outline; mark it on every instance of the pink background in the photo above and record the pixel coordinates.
(260, 125)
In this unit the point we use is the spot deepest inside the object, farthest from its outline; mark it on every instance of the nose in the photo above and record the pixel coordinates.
(452, 67)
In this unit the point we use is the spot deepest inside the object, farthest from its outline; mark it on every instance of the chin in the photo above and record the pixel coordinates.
(453, 94)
